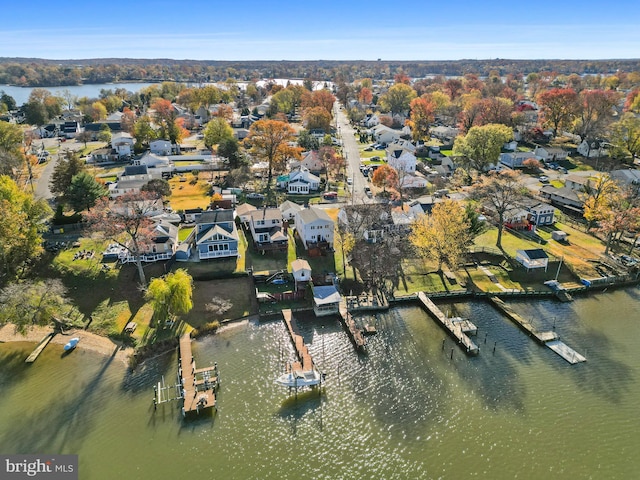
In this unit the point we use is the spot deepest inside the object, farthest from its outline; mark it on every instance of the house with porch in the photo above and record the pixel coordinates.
(215, 235)
(161, 245)
(300, 182)
(315, 228)
(267, 230)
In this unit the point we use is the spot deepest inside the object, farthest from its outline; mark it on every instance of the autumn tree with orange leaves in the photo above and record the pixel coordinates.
(269, 141)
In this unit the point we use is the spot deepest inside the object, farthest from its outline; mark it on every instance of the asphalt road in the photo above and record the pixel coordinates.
(352, 157)
(41, 185)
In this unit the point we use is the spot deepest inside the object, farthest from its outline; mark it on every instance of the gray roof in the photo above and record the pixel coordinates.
(216, 216)
(135, 170)
(535, 253)
(324, 295)
(309, 215)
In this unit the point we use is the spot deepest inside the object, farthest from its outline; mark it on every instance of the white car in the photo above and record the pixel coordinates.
(349, 181)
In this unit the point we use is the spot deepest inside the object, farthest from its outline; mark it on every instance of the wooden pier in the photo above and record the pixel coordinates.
(548, 338)
(40, 347)
(355, 333)
(455, 329)
(196, 387)
(305, 362)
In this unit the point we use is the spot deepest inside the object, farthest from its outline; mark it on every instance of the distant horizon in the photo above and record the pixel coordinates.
(368, 30)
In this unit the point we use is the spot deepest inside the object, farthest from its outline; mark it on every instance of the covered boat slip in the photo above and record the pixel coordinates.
(198, 385)
(303, 372)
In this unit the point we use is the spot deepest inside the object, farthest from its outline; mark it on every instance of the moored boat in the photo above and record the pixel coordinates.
(298, 378)
(71, 344)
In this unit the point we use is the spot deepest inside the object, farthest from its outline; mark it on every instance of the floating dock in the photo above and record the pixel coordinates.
(548, 338)
(39, 348)
(455, 329)
(355, 333)
(305, 362)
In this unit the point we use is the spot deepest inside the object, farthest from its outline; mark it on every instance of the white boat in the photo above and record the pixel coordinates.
(298, 378)
(71, 344)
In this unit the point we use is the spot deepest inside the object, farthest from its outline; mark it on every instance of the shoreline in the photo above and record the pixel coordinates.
(88, 341)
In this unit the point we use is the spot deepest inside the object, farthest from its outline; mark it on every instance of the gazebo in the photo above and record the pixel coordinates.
(534, 258)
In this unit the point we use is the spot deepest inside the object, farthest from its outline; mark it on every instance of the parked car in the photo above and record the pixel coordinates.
(349, 181)
(368, 149)
(562, 170)
(543, 178)
(367, 191)
(380, 147)
(255, 196)
(375, 159)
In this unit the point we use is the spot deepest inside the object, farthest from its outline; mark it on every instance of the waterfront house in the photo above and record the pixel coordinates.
(215, 234)
(160, 246)
(533, 259)
(315, 228)
(326, 300)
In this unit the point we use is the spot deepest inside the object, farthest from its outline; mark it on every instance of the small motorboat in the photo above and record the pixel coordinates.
(71, 344)
(298, 378)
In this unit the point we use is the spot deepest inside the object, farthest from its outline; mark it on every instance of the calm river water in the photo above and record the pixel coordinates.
(405, 411)
(21, 94)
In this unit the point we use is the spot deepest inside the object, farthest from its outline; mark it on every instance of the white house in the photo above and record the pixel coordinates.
(130, 180)
(592, 149)
(302, 181)
(413, 181)
(311, 161)
(577, 182)
(401, 159)
(243, 211)
(301, 272)
(371, 120)
(550, 154)
(160, 147)
(122, 143)
(384, 134)
(152, 160)
(266, 229)
(161, 245)
(403, 144)
(515, 159)
(314, 227)
(443, 133)
(289, 209)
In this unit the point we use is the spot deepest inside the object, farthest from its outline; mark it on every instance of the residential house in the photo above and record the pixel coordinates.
(592, 149)
(96, 127)
(577, 182)
(130, 180)
(423, 204)
(301, 181)
(155, 163)
(243, 212)
(413, 181)
(533, 259)
(541, 214)
(102, 155)
(311, 161)
(122, 143)
(190, 215)
(562, 197)
(289, 210)
(160, 147)
(511, 146)
(626, 177)
(70, 129)
(267, 230)
(371, 120)
(550, 154)
(528, 217)
(326, 300)
(401, 159)
(383, 134)
(216, 235)
(315, 228)
(515, 159)
(161, 246)
(403, 144)
(371, 225)
(444, 134)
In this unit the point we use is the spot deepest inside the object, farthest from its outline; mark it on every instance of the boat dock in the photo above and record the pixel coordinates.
(455, 329)
(305, 362)
(40, 347)
(196, 387)
(355, 333)
(548, 338)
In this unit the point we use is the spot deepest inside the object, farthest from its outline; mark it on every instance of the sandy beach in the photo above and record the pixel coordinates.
(88, 341)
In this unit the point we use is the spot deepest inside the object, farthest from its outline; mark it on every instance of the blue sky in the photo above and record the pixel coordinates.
(330, 30)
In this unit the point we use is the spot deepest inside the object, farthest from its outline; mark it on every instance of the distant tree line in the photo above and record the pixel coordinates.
(35, 72)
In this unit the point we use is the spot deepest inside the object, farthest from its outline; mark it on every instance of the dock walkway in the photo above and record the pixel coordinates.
(40, 347)
(455, 329)
(355, 333)
(199, 385)
(548, 338)
(305, 362)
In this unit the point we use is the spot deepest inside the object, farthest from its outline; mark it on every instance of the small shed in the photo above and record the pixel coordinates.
(326, 300)
(301, 273)
(534, 258)
(559, 236)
